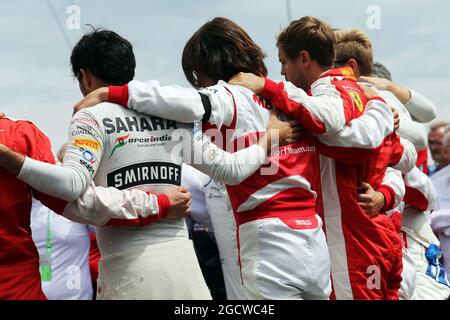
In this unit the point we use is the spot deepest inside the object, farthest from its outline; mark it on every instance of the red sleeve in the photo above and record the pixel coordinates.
(54, 204)
(118, 95)
(415, 198)
(389, 197)
(275, 92)
(397, 149)
(94, 257)
(422, 160)
(39, 148)
(164, 207)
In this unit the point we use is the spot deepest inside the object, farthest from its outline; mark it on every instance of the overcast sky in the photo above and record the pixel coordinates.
(36, 83)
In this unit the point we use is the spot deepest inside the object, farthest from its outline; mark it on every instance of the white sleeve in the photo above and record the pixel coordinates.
(409, 129)
(222, 166)
(440, 221)
(413, 131)
(222, 108)
(420, 192)
(168, 102)
(190, 178)
(366, 132)
(322, 113)
(393, 179)
(421, 109)
(213, 104)
(408, 159)
(98, 205)
(81, 161)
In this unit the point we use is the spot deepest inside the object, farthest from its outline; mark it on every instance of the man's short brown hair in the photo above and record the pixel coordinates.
(219, 50)
(354, 43)
(309, 34)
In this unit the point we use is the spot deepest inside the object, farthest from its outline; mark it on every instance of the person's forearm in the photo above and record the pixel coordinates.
(406, 156)
(101, 206)
(357, 141)
(320, 114)
(169, 102)
(66, 183)
(402, 93)
(420, 191)
(392, 180)
(421, 109)
(414, 132)
(11, 160)
(229, 168)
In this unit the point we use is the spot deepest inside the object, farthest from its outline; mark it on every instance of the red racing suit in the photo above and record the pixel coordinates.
(19, 259)
(365, 252)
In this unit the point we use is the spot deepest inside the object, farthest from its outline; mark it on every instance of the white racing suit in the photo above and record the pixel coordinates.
(115, 147)
(440, 217)
(421, 243)
(221, 214)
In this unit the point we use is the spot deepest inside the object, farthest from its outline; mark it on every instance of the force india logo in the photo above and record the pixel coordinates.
(86, 143)
(145, 141)
(120, 142)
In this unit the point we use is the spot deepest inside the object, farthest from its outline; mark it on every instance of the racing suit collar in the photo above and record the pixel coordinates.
(346, 72)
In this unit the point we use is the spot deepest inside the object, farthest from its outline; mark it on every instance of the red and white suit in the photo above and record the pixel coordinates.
(365, 252)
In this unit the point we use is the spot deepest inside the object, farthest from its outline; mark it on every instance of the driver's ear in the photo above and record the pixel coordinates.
(304, 57)
(85, 77)
(354, 65)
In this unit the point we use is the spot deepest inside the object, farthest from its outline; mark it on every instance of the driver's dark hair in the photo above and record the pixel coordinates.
(219, 50)
(106, 55)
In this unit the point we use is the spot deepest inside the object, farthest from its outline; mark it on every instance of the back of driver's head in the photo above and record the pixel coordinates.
(106, 55)
(354, 44)
(220, 49)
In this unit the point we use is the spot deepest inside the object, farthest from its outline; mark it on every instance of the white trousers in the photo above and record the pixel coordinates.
(285, 259)
(162, 271)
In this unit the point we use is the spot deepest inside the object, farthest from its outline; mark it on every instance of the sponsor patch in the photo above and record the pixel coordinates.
(88, 167)
(139, 142)
(120, 142)
(145, 173)
(84, 130)
(135, 124)
(86, 143)
(86, 120)
(212, 154)
(348, 73)
(301, 223)
(357, 100)
(88, 156)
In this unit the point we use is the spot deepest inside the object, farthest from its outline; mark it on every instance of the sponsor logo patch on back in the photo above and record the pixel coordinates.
(145, 173)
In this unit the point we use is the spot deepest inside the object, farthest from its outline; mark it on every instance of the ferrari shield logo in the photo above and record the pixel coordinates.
(357, 100)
